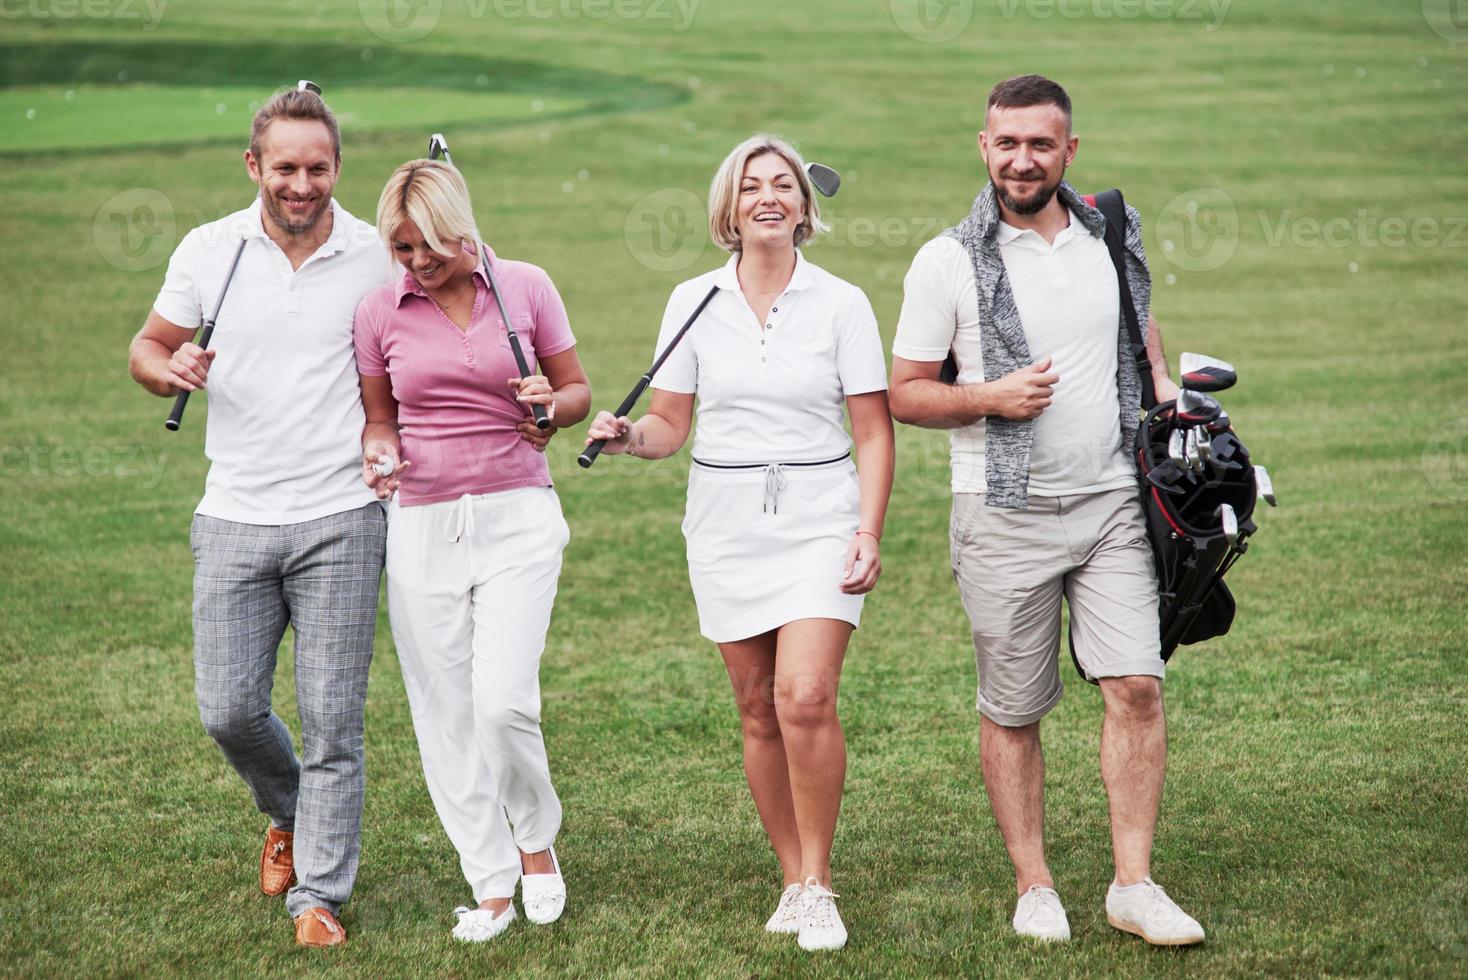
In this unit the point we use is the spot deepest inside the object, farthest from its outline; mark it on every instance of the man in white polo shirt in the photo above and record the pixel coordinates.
(288, 532)
(1044, 415)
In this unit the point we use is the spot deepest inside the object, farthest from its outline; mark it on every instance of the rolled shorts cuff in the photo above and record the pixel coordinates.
(1153, 667)
(1018, 719)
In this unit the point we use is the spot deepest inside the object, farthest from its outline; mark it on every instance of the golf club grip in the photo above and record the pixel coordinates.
(181, 400)
(589, 455)
(542, 420)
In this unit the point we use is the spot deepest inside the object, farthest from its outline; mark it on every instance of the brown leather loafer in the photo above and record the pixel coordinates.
(277, 862)
(319, 928)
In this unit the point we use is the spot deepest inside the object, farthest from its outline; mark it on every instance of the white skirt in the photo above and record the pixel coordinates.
(767, 546)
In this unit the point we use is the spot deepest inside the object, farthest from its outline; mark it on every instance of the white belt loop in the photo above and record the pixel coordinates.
(774, 483)
(463, 518)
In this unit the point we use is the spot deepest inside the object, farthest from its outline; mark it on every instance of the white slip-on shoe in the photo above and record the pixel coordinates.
(787, 913)
(1040, 915)
(544, 896)
(820, 924)
(1145, 910)
(480, 925)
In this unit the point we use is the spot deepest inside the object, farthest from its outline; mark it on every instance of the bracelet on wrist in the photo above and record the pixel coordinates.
(873, 534)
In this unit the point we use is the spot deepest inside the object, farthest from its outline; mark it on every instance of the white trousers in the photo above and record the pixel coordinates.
(470, 585)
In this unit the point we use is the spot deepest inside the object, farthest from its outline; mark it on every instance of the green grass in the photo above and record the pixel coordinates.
(1315, 805)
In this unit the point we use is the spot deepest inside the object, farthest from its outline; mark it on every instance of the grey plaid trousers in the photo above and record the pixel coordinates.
(322, 578)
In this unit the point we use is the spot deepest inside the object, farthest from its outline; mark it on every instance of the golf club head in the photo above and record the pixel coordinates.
(1265, 486)
(1195, 408)
(1229, 521)
(1204, 373)
(1205, 445)
(1175, 448)
(306, 85)
(1190, 450)
(1219, 425)
(438, 147)
(823, 178)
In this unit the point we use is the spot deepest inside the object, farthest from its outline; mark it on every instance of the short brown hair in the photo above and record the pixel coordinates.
(1023, 91)
(294, 104)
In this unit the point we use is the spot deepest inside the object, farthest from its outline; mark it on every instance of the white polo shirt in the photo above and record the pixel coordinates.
(1068, 300)
(284, 435)
(772, 392)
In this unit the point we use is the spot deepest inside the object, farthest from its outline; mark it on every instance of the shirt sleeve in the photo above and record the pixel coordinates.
(929, 316)
(367, 339)
(178, 301)
(552, 324)
(860, 362)
(679, 372)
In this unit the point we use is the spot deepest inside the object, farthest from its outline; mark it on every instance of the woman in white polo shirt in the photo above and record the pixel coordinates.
(783, 533)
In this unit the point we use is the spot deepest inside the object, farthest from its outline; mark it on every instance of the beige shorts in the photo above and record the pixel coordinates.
(1012, 567)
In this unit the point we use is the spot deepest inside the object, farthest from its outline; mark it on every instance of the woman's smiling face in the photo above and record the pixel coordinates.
(771, 204)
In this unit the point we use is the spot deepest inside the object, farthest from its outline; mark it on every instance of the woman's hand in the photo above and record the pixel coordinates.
(384, 486)
(616, 431)
(537, 437)
(535, 389)
(863, 564)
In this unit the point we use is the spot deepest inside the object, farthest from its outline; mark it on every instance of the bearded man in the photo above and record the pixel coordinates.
(1044, 416)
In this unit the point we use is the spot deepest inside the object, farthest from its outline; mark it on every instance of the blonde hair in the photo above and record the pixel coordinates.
(724, 191)
(433, 196)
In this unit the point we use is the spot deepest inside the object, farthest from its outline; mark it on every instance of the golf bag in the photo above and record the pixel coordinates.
(1198, 519)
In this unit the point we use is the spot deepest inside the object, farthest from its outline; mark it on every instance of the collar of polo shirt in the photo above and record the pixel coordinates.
(408, 285)
(801, 278)
(252, 225)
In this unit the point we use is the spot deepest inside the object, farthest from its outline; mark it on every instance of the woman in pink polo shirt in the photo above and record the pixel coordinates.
(475, 532)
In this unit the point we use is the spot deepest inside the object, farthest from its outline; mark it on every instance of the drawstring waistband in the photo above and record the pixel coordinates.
(774, 483)
(775, 479)
(463, 518)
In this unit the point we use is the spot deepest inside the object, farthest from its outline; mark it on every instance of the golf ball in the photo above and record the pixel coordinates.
(384, 465)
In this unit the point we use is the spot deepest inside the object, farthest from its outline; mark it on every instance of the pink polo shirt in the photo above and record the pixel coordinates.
(456, 412)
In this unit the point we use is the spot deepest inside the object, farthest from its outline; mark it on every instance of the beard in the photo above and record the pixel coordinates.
(295, 225)
(1033, 204)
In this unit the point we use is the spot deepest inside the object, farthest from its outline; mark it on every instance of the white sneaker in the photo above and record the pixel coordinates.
(1145, 910)
(820, 924)
(787, 913)
(1040, 915)
(479, 925)
(544, 896)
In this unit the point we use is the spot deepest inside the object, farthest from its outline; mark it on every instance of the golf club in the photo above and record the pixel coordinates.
(306, 85)
(1195, 408)
(823, 178)
(1265, 486)
(175, 418)
(1203, 373)
(439, 147)
(1229, 521)
(591, 452)
(1175, 448)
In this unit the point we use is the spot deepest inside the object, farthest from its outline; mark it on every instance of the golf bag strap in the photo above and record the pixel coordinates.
(1113, 206)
